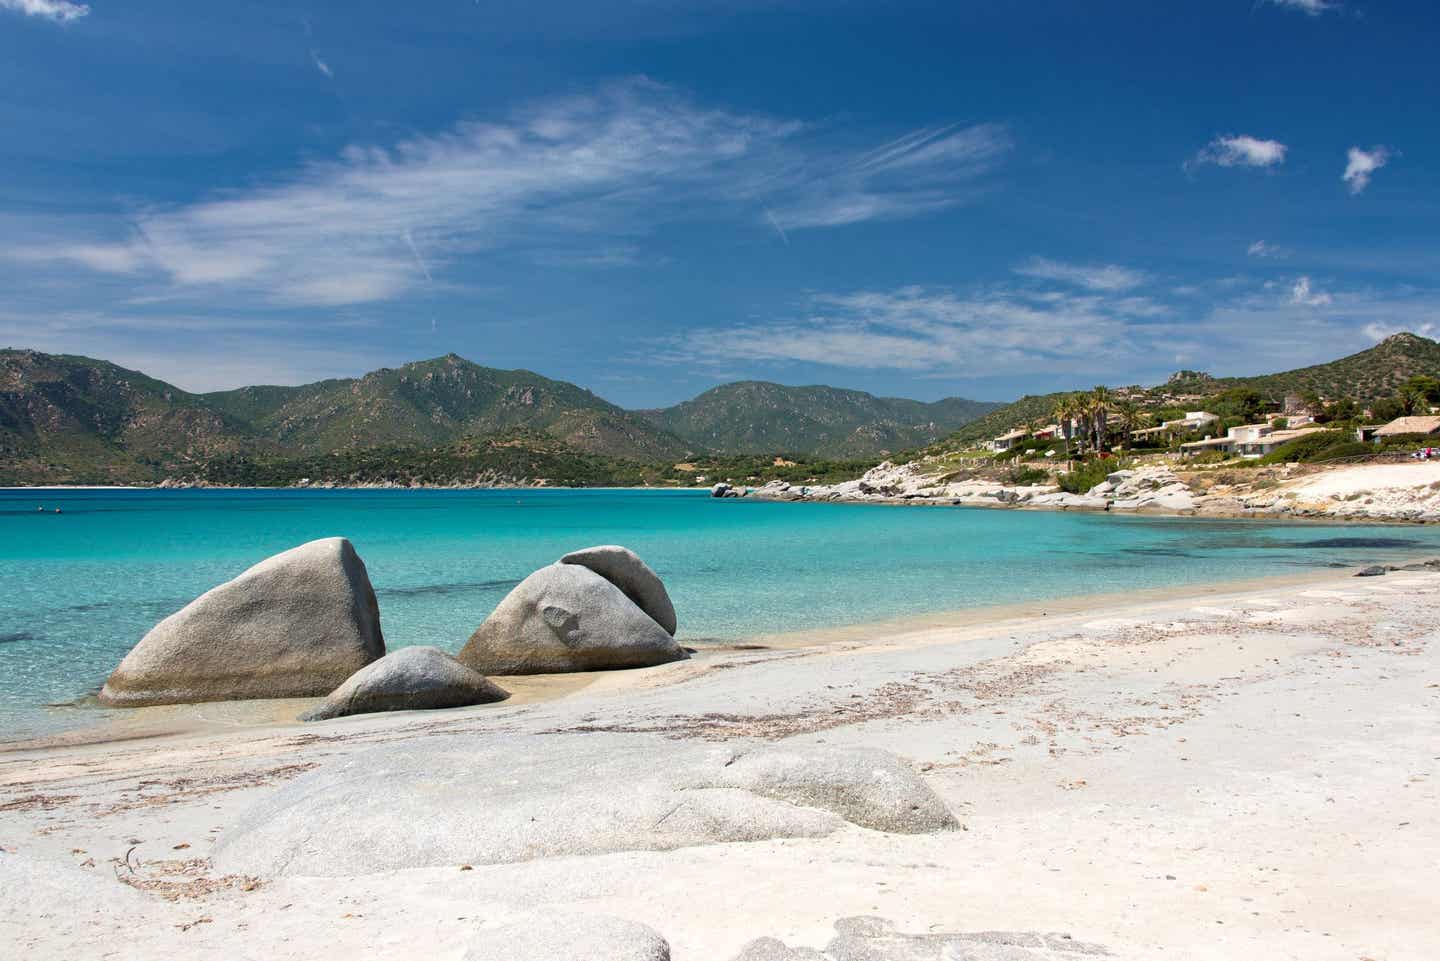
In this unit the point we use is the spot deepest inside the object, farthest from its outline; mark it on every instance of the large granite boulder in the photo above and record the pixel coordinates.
(514, 799)
(552, 937)
(295, 625)
(410, 679)
(565, 618)
(624, 568)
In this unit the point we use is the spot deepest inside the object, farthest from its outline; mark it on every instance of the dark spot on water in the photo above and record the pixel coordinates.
(460, 587)
(1159, 551)
(16, 637)
(1337, 542)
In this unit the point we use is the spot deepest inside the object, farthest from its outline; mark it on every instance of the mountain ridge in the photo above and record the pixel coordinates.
(67, 418)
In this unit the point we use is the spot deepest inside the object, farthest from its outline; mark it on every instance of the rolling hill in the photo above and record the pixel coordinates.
(441, 401)
(757, 417)
(1365, 376)
(78, 420)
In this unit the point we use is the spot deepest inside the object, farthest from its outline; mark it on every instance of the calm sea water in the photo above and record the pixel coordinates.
(77, 589)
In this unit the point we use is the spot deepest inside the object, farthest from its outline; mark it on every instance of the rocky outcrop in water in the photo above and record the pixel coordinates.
(566, 617)
(295, 625)
(624, 568)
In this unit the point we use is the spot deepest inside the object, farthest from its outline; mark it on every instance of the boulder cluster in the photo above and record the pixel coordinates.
(306, 623)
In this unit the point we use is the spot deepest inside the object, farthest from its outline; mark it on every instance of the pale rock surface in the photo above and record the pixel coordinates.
(624, 568)
(410, 679)
(581, 937)
(521, 799)
(295, 625)
(566, 618)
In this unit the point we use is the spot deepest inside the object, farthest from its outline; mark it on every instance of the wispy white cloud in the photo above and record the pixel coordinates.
(1057, 334)
(607, 166)
(321, 65)
(1360, 165)
(1267, 251)
(60, 11)
(1240, 151)
(1303, 294)
(926, 330)
(1107, 277)
(1313, 7)
(921, 172)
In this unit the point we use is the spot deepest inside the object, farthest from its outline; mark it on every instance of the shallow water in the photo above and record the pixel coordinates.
(78, 588)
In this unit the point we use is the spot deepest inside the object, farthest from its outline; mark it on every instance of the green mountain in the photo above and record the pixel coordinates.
(1366, 376)
(756, 417)
(441, 401)
(69, 419)
(73, 419)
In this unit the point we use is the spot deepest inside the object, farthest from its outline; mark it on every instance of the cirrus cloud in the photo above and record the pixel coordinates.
(608, 166)
(60, 11)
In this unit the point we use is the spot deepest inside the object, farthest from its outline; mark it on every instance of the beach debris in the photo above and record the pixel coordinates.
(295, 625)
(563, 618)
(624, 568)
(551, 937)
(410, 679)
(442, 803)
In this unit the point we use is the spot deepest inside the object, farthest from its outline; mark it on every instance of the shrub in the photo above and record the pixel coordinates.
(1324, 445)
(1087, 474)
(1020, 476)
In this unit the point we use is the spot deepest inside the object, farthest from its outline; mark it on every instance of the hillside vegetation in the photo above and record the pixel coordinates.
(757, 417)
(76, 420)
(1368, 376)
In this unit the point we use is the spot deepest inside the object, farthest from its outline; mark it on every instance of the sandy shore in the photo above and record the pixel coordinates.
(1247, 774)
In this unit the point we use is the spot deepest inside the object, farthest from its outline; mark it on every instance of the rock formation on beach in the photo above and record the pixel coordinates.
(427, 804)
(624, 568)
(410, 679)
(566, 617)
(558, 937)
(295, 625)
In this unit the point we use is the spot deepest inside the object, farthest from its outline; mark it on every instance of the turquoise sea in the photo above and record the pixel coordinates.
(78, 588)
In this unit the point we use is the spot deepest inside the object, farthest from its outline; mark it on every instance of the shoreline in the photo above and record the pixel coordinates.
(262, 715)
(1153, 776)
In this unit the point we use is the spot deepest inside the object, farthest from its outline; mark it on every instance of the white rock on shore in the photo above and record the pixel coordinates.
(295, 625)
(410, 679)
(432, 804)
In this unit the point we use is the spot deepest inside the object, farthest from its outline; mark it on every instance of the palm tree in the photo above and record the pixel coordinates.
(1130, 415)
(1099, 405)
(1065, 416)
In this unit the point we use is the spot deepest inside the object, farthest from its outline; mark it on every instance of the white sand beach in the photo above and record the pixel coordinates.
(1247, 773)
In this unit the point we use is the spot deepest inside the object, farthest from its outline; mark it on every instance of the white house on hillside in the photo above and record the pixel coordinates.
(1247, 440)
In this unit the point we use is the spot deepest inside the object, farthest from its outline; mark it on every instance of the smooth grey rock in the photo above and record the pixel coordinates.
(624, 568)
(517, 799)
(565, 618)
(720, 490)
(295, 625)
(410, 679)
(1374, 570)
(581, 937)
(875, 939)
(36, 888)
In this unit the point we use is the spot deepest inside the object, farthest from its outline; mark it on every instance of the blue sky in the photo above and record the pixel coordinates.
(649, 197)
